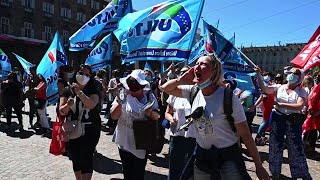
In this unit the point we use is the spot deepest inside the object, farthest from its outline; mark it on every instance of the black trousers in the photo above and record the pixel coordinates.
(32, 111)
(17, 110)
(81, 150)
(133, 168)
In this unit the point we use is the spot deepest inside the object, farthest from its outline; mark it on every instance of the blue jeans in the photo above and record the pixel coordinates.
(282, 126)
(180, 148)
(262, 128)
(228, 171)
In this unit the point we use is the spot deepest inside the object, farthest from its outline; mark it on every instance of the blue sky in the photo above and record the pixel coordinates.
(259, 22)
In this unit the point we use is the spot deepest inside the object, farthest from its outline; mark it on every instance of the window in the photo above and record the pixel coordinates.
(81, 17)
(84, 2)
(65, 37)
(5, 24)
(27, 30)
(95, 5)
(28, 4)
(47, 34)
(48, 8)
(6, 2)
(66, 13)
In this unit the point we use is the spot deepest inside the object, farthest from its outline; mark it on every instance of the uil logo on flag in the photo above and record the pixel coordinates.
(55, 54)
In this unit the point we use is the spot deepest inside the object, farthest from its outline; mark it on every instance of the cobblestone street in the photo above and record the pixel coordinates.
(26, 155)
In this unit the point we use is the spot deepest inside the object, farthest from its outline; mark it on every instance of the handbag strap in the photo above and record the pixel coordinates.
(81, 112)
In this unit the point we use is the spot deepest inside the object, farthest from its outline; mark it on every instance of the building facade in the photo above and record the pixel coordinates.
(28, 26)
(273, 58)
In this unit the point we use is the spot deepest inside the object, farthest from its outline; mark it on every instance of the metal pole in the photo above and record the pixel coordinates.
(246, 58)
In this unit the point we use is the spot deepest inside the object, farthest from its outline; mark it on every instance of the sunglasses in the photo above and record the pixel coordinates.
(82, 73)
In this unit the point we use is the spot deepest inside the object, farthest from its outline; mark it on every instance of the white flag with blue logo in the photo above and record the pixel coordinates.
(100, 57)
(48, 68)
(105, 21)
(5, 64)
(164, 32)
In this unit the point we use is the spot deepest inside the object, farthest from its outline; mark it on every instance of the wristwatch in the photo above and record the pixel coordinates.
(80, 94)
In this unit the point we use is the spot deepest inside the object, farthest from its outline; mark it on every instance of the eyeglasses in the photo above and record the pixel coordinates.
(82, 73)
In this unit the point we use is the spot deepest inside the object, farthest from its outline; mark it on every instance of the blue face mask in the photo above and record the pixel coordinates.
(205, 84)
(292, 78)
(148, 78)
(266, 78)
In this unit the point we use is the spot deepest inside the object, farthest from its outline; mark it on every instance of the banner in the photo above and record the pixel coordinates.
(310, 55)
(48, 68)
(100, 57)
(5, 64)
(163, 32)
(24, 63)
(105, 21)
(215, 42)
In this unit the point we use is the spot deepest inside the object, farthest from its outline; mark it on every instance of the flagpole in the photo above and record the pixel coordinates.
(246, 58)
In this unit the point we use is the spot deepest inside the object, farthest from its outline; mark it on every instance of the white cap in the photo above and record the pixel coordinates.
(138, 75)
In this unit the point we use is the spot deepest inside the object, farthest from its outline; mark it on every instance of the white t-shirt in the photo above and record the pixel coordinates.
(181, 108)
(112, 84)
(284, 97)
(214, 129)
(124, 136)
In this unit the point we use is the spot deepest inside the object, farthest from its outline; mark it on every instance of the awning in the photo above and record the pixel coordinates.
(25, 40)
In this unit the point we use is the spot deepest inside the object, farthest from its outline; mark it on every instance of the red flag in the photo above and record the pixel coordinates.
(309, 56)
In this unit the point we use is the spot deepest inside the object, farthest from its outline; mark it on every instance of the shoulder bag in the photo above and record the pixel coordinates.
(73, 129)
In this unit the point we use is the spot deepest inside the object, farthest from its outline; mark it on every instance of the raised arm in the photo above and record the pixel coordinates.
(172, 86)
(265, 89)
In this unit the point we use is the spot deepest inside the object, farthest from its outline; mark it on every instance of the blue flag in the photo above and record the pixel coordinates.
(163, 68)
(105, 21)
(5, 64)
(147, 67)
(163, 32)
(48, 68)
(24, 63)
(238, 72)
(215, 42)
(100, 57)
(233, 39)
(197, 51)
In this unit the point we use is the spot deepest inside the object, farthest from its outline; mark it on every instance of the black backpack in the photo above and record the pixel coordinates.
(227, 104)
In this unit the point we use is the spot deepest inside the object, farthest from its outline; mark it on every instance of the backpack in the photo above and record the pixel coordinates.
(227, 104)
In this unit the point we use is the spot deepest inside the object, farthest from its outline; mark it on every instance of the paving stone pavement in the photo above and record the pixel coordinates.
(25, 156)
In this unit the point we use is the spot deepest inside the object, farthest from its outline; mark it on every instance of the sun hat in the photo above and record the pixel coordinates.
(138, 75)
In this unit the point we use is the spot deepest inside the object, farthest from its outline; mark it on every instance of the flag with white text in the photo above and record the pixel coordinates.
(100, 57)
(5, 64)
(164, 32)
(105, 21)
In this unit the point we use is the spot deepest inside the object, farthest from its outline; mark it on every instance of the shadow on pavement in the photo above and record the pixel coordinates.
(313, 155)
(151, 175)
(159, 161)
(24, 134)
(104, 165)
(263, 155)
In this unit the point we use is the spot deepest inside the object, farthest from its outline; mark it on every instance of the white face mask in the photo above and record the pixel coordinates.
(82, 79)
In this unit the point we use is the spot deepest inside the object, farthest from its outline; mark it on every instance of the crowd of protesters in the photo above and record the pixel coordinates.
(289, 101)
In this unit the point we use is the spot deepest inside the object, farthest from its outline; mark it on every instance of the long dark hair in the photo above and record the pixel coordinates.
(82, 66)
